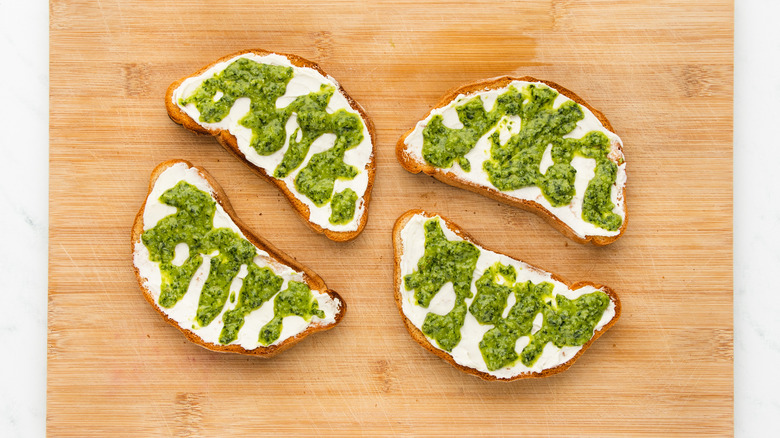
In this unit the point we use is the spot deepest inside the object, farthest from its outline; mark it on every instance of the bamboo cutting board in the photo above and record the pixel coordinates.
(660, 71)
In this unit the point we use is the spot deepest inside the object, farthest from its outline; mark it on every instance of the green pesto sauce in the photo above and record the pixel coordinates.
(343, 207)
(443, 261)
(298, 300)
(515, 164)
(263, 84)
(259, 286)
(193, 224)
(565, 322)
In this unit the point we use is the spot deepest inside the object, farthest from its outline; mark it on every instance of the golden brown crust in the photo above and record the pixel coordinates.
(421, 339)
(416, 166)
(312, 280)
(229, 142)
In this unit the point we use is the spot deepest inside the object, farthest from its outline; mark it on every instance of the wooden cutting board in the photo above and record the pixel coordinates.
(660, 71)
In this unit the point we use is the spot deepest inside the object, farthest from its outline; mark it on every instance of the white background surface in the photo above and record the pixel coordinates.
(24, 217)
(756, 218)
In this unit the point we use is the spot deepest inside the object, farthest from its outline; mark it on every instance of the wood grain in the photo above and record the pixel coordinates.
(660, 71)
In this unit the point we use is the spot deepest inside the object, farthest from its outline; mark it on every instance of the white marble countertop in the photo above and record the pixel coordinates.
(24, 198)
(756, 218)
(24, 217)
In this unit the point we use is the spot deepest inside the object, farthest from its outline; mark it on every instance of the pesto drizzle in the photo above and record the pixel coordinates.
(263, 84)
(295, 300)
(193, 224)
(515, 164)
(444, 261)
(343, 207)
(565, 322)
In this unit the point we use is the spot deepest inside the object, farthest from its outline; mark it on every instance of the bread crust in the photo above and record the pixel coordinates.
(421, 339)
(313, 280)
(230, 143)
(416, 166)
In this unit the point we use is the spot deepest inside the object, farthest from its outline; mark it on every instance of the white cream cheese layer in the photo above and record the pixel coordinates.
(304, 81)
(185, 310)
(571, 214)
(467, 352)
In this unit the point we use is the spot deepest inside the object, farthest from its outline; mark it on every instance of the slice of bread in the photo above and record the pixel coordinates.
(224, 287)
(279, 145)
(440, 146)
(486, 313)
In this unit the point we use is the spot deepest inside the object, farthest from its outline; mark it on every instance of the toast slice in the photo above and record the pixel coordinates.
(224, 287)
(486, 313)
(292, 124)
(531, 144)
